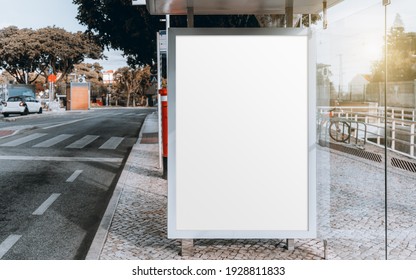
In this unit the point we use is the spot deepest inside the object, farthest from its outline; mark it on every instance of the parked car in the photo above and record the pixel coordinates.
(21, 105)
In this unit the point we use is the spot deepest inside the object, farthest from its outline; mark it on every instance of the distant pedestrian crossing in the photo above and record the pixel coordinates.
(67, 141)
(84, 141)
(23, 140)
(53, 141)
(112, 143)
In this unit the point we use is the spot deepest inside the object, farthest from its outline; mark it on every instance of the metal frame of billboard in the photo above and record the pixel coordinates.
(309, 231)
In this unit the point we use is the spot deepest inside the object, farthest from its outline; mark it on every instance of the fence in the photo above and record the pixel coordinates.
(399, 94)
(400, 126)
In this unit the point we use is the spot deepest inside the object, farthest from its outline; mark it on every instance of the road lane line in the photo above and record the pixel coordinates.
(65, 123)
(45, 205)
(68, 159)
(7, 244)
(23, 140)
(84, 141)
(74, 176)
(112, 143)
(53, 141)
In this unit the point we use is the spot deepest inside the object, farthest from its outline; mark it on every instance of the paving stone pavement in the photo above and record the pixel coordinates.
(351, 215)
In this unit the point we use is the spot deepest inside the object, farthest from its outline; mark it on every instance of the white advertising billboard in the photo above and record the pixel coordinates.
(241, 160)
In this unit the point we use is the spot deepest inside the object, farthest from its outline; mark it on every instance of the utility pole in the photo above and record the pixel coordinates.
(340, 77)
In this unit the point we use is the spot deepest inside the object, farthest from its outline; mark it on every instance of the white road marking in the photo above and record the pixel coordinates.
(38, 158)
(74, 176)
(84, 141)
(45, 205)
(7, 244)
(65, 123)
(112, 143)
(55, 140)
(23, 140)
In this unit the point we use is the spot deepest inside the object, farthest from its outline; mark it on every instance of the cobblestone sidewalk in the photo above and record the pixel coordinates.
(350, 215)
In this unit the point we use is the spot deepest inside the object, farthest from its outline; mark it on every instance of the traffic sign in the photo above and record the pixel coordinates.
(163, 44)
(52, 78)
(138, 2)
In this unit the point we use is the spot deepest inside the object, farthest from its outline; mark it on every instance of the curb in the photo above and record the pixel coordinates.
(36, 115)
(100, 237)
(10, 131)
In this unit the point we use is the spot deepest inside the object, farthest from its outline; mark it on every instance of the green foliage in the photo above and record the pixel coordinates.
(24, 51)
(93, 74)
(119, 25)
(132, 82)
(401, 57)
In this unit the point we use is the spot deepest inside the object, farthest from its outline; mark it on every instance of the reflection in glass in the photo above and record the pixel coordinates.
(401, 102)
(350, 158)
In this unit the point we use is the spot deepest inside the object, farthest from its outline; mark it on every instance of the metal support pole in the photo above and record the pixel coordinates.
(190, 13)
(289, 13)
(385, 3)
(325, 18)
(414, 97)
(412, 140)
(393, 135)
(379, 131)
(164, 101)
(290, 244)
(159, 104)
(51, 95)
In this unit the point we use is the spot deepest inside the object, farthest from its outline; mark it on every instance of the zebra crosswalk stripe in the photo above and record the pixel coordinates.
(7, 244)
(84, 141)
(23, 140)
(55, 140)
(112, 143)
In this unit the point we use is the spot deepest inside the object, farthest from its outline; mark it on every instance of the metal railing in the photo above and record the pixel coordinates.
(369, 124)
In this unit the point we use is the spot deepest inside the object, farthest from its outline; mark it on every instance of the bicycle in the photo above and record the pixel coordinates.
(339, 129)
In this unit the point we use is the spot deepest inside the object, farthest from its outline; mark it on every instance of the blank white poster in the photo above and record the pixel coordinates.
(240, 134)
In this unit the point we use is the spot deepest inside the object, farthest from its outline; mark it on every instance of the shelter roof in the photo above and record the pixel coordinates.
(222, 7)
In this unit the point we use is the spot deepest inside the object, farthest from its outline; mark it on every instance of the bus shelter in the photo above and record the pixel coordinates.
(243, 167)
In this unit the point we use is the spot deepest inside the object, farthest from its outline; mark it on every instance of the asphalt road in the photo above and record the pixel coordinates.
(57, 175)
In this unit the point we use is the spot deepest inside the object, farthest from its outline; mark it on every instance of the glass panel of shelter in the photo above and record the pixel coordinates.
(350, 154)
(401, 105)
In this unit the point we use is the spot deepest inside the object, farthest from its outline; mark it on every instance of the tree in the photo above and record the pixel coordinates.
(119, 25)
(16, 57)
(133, 83)
(401, 51)
(93, 74)
(280, 20)
(24, 51)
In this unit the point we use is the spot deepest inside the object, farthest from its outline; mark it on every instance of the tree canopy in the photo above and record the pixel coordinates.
(401, 59)
(24, 51)
(119, 25)
(132, 82)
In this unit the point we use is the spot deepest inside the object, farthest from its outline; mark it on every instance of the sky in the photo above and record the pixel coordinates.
(359, 23)
(355, 34)
(42, 13)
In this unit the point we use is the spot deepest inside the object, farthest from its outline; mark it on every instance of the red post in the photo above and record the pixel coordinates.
(164, 101)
